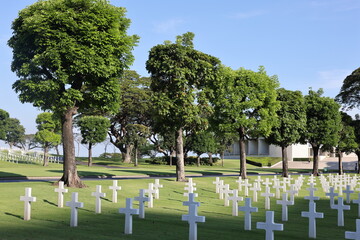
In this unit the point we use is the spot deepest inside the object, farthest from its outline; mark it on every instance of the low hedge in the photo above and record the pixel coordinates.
(303, 159)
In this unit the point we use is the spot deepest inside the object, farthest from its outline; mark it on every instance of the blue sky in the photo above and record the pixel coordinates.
(307, 43)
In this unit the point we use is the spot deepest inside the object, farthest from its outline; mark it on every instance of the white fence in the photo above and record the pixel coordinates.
(31, 157)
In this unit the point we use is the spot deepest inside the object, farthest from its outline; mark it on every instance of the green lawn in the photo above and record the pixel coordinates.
(161, 222)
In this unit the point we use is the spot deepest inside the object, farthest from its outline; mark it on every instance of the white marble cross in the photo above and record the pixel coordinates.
(270, 226)
(98, 195)
(331, 194)
(284, 206)
(217, 183)
(61, 190)
(311, 190)
(255, 189)
(129, 211)
(114, 189)
(357, 201)
(348, 191)
(192, 218)
(267, 183)
(248, 209)
(223, 188)
(312, 215)
(142, 199)
(190, 187)
(240, 182)
(150, 191)
(27, 203)
(340, 207)
(246, 185)
(157, 185)
(226, 191)
(292, 192)
(354, 235)
(277, 187)
(259, 181)
(74, 205)
(235, 199)
(267, 194)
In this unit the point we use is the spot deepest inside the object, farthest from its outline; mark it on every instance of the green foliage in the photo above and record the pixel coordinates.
(48, 138)
(69, 53)
(179, 75)
(245, 99)
(347, 137)
(4, 115)
(349, 94)
(47, 121)
(323, 120)
(93, 129)
(15, 132)
(202, 142)
(48, 135)
(291, 118)
(189, 161)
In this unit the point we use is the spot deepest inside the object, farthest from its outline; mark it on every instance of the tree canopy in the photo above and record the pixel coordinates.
(179, 76)
(68, 55)
(349, 94)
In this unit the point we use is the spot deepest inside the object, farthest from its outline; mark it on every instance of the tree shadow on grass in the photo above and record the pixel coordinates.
(13, 215)
(51, 203)
(10, 175)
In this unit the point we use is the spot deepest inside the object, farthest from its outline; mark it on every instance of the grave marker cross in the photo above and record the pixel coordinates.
(270, 226)
(128, 211)
(61, 190)
(331, 194)
(114, 189)
(74, 205)
(348, 191)
(248, 209)
(98, 195)
(354, 235)
(312, 215)
(141, 199)
(235, 199)
(357, 201)
(192, 218)
(284, 203)
(27, 203)
(267, 194)
(157, 185)
(340, 207)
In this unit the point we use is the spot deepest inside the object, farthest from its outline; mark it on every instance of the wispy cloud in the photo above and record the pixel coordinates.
(169, 25)
(246, 15)
(332, 79)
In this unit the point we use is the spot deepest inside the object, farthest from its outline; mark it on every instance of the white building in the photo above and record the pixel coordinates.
(260, 148)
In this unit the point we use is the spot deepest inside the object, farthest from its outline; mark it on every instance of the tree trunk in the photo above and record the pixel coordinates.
(198, 161)
(136, 156)
(358, 162)
(57, 150)
(315, 171)
(340, 156)
(172, 154)
(126, 154)
(70, 176)
(46, 157)
(210, 159)
(242, 153)
(90, 155)
(180, 167)
(285, 168)
(222, 158)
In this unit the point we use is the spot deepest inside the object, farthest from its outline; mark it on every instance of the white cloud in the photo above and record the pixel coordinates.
(169, 25)
(250, 14)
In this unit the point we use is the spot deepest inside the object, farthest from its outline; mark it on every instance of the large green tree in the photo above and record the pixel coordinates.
(68, 55)
(15, 132)
(179, 75)
(291, 123)
(245, 103)
(93, 130)
(134, 109)
(356, 125)
(203, 142)
(322, 125)
(48, 133)
(4, 115)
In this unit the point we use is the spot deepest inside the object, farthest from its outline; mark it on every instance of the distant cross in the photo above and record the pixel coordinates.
(255, 189)
(312, 215)
(354, 235)
(222, 190)
(348, 191)
(331, 194)
(114, 189)
(190, 187)
(142, 199)
(235, 199)
(311, 190)
(150, 191)
(267, 183)
(248, 209)
(340, 207)
(27, 203)
(340, 185)
(357, 201)
(267, 194)
(217, 184)
(292, 192)
(74, 205)
(270, 226)
(259, 181)
(157, 185)
(246, 187)
(226, 192)
(312, 179)
(192, 218)
(98, 195)
(284, 206)
(277, 187)
(61, 190)
(129, 211)
(240, 182)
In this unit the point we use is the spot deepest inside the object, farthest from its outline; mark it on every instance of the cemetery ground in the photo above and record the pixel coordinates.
(163, 221)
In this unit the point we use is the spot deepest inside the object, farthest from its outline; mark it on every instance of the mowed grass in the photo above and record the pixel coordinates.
(161, 222)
